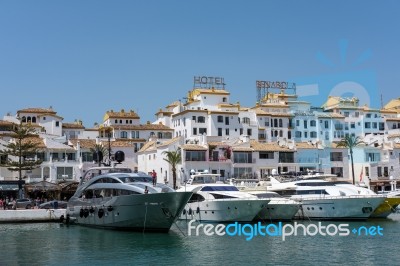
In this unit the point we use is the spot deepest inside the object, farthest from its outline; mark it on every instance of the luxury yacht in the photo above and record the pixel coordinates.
(387, 207)
(320, 199)
(214, 201)
(116, 198)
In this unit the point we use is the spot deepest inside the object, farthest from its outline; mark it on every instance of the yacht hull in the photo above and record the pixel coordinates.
(224, 210)
(337, 208)
(279, 210)
(387, 207)
(141, 212)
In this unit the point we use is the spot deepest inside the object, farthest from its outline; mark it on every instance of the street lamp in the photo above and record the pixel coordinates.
(109, 145)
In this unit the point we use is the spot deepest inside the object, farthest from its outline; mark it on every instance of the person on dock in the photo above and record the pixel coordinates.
(154, 177)
(14, 204)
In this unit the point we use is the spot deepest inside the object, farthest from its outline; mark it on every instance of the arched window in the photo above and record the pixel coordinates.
(33, 119)
(23, 119)
(275, 122)
(280, 123)
(29, 119)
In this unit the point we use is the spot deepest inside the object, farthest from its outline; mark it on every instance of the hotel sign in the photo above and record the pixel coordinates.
(274, 84)
(204, 81)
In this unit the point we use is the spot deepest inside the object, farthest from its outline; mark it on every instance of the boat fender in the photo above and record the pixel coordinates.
(61, 218)
(100, 213)
(91, 209)
(190, 211)
(67, 220)
(184, 212)
(198, 210)
(85, 213)
(81, 213)
(110, 208)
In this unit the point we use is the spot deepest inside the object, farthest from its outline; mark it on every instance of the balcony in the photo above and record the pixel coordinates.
(220, 159)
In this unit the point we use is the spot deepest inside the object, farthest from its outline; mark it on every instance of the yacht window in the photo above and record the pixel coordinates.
(196, 198)
(130, 179)
(315, 184)
(220, 188)
(311, 192)
(106, 180)
(219, 196)
(88, 194)
(267, 195)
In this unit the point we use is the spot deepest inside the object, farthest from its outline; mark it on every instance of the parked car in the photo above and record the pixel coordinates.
(21, 204)
(54, 204)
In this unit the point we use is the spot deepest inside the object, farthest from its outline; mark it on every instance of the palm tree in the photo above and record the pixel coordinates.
(99, 149)
(173, 158)
(350, 142)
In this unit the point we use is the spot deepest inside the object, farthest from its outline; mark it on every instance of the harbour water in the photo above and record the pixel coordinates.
(58, 244)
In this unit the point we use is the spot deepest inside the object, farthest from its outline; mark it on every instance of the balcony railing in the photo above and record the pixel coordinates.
(242, 161)
(286, 160)
(307, 160)
(221, 159)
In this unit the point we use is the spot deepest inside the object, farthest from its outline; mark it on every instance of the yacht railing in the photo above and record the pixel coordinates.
(324, 196)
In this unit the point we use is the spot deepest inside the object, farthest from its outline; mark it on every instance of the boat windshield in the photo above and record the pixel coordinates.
(131, 179)
(219, 188)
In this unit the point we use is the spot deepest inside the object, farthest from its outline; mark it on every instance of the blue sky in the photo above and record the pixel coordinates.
(87, 57)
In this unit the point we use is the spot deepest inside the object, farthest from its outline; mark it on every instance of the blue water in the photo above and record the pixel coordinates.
(58, 244)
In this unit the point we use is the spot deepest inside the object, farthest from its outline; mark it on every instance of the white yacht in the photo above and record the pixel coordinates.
(320, 199)
(120, 199)
(214, 201)
(387, 207)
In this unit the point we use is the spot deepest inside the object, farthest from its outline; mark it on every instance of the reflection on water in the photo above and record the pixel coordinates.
(53, 243)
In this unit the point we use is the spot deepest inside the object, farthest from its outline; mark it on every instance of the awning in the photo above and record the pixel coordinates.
(42, 186)
(70, 186)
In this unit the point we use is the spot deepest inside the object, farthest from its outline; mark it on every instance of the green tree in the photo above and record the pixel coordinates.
(350, 142)
(173, 158)
(99, 149)
(20, 151)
